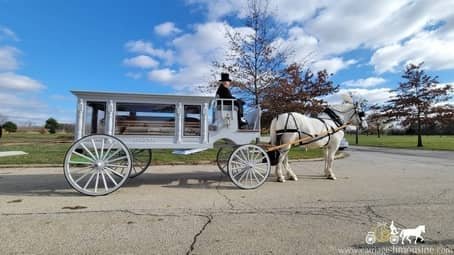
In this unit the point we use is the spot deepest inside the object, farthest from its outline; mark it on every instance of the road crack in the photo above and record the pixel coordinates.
(229, 200)
(194, 240)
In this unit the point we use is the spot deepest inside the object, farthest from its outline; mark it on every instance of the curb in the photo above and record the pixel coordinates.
(341, 155)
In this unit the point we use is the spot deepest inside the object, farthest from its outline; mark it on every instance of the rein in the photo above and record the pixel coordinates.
(308, 140)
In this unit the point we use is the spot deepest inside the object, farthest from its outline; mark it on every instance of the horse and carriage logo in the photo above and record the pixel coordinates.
(383, 233)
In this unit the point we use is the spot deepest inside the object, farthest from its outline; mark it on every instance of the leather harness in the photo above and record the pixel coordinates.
(331, 114)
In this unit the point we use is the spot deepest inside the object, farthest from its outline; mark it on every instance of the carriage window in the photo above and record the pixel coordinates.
(145, 119)
(95, 118)
(192, 120)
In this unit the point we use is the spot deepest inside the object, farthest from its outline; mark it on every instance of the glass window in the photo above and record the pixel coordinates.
(145, 119)
(95, 118)
(192, 120)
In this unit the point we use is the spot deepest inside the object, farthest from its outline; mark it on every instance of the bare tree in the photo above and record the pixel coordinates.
(443, 116)
(376, 117)
(3, 119)
(416, 97)
(255, 58)
(297, 91)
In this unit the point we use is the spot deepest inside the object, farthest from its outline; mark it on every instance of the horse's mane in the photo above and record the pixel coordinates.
(340, 107)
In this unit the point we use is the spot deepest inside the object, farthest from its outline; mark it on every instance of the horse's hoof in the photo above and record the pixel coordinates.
(293, 178)
(279, 179)
(331, 177)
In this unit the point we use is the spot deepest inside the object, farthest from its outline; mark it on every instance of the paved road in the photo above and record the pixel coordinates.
(192, 209)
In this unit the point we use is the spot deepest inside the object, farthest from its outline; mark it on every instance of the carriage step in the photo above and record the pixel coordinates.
(12, 153)
(248, 130)
(189, 151)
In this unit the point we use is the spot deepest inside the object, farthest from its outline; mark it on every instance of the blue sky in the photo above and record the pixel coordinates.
(48, 48)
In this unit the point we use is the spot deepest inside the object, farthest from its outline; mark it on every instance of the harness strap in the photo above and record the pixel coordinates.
(292, 130)
(327, 131)
(333, 116)
(304, 141)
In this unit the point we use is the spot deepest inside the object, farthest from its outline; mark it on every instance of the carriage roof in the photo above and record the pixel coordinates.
(126, 96)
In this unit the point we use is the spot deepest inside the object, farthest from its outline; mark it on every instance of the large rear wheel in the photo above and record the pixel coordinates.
(97, 165)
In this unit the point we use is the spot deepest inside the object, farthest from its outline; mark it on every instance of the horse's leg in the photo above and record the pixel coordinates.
(421, 238)
(325, 154)
(331, 153)
(290, 174)
(280, 176)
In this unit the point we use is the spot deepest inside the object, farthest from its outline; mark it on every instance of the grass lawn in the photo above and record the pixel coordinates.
(403, 141)
(51, 149)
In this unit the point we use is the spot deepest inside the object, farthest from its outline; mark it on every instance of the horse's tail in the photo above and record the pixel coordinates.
(273, 137)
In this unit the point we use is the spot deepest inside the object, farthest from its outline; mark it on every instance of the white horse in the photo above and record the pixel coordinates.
(288, 127)
(416, 232)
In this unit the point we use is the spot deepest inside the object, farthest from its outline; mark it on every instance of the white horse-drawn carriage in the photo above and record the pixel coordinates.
(115, 134)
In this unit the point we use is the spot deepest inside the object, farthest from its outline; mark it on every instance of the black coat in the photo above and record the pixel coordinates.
(224, 92)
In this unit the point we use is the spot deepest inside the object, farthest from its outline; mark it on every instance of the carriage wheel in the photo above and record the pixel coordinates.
(97, 165)
(222, 158)
(249, 166)
(141, 161)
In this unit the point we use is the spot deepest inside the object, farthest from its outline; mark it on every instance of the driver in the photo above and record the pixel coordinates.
(224, 92)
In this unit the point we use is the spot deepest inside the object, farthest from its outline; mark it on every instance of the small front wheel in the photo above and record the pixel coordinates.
(222, 158)
(249, 166)
(97, 165)
(141, 161)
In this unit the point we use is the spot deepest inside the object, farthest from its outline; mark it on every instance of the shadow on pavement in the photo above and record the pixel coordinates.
(56, 185)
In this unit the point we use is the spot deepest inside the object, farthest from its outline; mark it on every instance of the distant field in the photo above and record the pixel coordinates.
(51, 149)
(402, 141)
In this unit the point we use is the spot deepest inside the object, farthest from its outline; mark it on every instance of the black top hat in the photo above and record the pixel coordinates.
(225, 77)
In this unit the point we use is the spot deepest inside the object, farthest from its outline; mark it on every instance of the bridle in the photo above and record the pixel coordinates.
(338, 121)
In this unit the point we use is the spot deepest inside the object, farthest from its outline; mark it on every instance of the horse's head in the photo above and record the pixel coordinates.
(422, 228)
(359, 116)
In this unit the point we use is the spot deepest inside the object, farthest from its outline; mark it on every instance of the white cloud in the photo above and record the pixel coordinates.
(218, 9)
(347, 25)
(25, 107)
(144, 47)
(332, 65)
(395, 29)
(207, 42)
(166, 29)
(8, 58)
(305, 46)
(433, 48)
(364, 83)
(284, 10)
(12, 81)
(161, 75)
(194, 53)
(373, 96)
(6, 33)
(22, 108)
(141, 61)
(134, 75)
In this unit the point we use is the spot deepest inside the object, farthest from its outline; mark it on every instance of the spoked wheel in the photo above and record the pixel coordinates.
(141, 161)
(97, 165)
(249, 166)
(222, 158)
